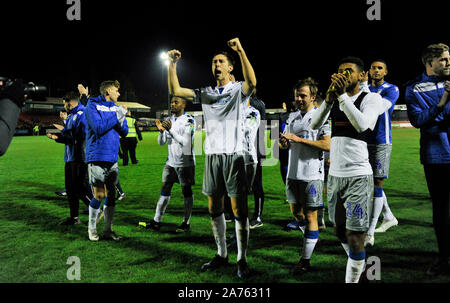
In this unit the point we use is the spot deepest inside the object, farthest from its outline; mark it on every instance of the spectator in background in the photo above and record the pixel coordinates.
(129, 143)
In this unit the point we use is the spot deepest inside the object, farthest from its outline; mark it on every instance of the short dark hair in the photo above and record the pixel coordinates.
(433, 51)
(173, 96)
(380, 60)
(230, 57)
(355, 60)
(71, 96)
(107, 84)
(313, 85)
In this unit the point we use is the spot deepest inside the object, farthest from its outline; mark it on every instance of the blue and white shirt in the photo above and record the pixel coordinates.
(382, 131)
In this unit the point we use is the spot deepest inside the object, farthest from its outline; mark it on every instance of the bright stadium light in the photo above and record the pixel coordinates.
(164, 57)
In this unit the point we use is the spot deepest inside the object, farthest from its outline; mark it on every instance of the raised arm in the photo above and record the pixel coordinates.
(247, 69)
(174, 85)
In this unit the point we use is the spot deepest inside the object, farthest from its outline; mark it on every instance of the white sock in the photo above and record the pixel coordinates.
(346, 248)
(161, 207)
(354, 270)
(387, 213)
(377, 207)
(219, 227)
(242, 235)
(93, 213)
(308, 247)
(188, 203)
(108, 213)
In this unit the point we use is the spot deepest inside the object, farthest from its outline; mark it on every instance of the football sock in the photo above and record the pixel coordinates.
(219, 228)
(94, 209)
(309, 242)
(108, 212)
(242, 235)
(188, 203)
(387, 213)
(377, 207)
(161, 207)
(355, 266)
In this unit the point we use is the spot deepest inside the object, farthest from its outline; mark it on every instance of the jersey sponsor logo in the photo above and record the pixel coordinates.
(341, 123)
(103, 108)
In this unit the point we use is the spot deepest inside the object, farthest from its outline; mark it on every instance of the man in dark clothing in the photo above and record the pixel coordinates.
(73, 135)
(427, 99)
(129, 143)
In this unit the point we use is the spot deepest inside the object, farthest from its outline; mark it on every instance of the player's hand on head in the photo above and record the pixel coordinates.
(235, 44)
(174, 55)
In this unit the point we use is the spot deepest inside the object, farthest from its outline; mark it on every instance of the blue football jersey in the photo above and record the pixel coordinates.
(382, 131)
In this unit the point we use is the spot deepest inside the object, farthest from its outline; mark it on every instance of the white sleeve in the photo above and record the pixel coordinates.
(364, 86)
(320, 115)
(162, 138)
(371, 108)
(121, 113)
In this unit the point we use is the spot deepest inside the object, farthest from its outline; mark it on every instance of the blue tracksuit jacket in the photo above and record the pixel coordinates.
(103, 130)
(422, 97)
(73, 135)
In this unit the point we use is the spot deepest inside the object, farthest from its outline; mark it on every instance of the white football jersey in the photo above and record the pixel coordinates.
(349, 157)
(179, 139)
(252, 121)
(224, 115)
(306, 162)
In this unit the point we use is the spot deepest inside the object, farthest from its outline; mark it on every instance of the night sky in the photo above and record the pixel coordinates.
(284, 41)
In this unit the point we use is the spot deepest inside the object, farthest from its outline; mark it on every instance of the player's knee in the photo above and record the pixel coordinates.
(378, 182)
(187, 191)
(166, 189)
(110, 201)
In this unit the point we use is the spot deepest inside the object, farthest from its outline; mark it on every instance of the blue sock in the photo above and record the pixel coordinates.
(95, 203)
(358, 256)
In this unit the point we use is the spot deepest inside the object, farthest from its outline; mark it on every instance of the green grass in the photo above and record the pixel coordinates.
(35, 249)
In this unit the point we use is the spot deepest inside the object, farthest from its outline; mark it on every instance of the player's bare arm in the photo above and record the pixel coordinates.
(247, 69)
(174, 85)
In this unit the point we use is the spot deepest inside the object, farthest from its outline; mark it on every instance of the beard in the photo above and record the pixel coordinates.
(351, 87)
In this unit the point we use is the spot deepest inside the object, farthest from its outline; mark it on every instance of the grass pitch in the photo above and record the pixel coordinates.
(35, 249)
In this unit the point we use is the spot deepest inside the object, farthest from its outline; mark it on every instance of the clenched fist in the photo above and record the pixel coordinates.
(235, 44)
(174, 55)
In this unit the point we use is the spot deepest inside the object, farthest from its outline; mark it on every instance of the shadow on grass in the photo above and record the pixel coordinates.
(414, 222)
(407, 195)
